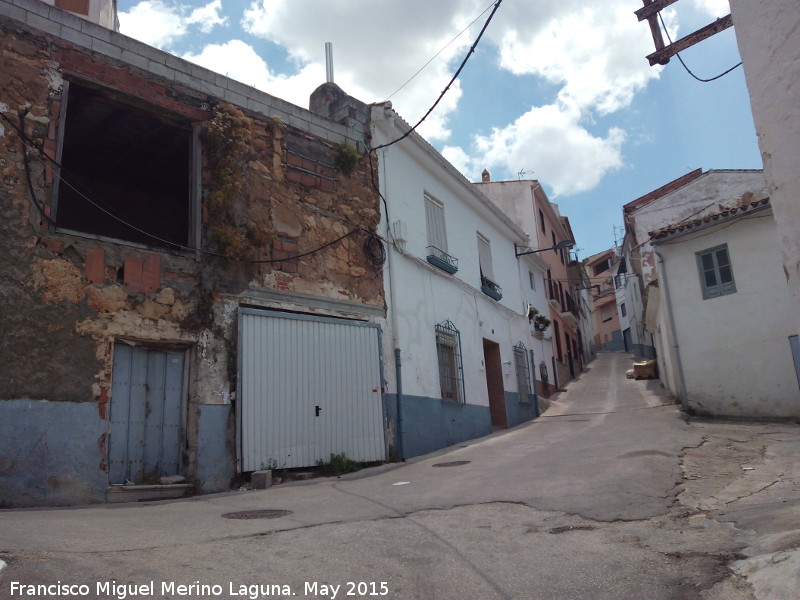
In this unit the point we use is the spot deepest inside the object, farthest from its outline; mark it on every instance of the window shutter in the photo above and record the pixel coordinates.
(485, 257)
(434, 219)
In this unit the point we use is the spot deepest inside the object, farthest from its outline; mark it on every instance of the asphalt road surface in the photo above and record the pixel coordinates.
(579, 504)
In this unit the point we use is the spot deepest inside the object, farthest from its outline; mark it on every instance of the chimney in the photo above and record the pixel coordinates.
(485, 178)
(331, 102)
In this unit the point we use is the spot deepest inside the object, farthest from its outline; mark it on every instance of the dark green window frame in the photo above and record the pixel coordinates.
(716, 272)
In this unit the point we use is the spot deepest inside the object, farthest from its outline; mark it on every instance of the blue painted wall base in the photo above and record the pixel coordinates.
(51, 453)
(215, 451)
(432, 423)
(519, 412)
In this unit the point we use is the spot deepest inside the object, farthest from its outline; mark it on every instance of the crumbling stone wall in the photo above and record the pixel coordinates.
(67, 298)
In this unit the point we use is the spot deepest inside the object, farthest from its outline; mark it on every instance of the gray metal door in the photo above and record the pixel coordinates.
(309, 387)
(146, 415)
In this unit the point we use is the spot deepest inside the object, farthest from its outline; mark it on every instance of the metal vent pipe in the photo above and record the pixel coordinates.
(329, 62)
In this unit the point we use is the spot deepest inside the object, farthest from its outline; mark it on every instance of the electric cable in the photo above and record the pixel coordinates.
(688, 70)
(447, 45)
(450, 83)
(373, 248)
(44, 156)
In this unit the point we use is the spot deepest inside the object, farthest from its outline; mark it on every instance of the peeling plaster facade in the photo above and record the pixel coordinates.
(71, 294)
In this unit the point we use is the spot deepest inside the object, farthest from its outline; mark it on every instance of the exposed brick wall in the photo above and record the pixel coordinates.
(127, 79)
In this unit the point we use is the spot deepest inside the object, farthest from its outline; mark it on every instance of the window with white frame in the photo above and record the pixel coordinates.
(451, 371)
(523, 372)
(716, 273)
(532, 280)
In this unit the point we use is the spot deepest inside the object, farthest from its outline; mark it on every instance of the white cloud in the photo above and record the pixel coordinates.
(551, 141)
(207, 16)
(595, 52)
(714, 8)
(239, 61)
(153, 22)
(160, 24)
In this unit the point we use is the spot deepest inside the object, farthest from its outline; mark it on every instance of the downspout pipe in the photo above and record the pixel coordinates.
(398, 369)
(676, 346)
(392, 309)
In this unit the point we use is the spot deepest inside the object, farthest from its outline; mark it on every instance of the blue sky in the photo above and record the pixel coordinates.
(558, 89)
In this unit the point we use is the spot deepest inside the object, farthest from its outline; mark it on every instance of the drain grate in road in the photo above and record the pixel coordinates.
(453, 463)
(257, 514)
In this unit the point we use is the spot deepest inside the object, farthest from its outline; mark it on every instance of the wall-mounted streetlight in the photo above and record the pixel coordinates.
(558, 246)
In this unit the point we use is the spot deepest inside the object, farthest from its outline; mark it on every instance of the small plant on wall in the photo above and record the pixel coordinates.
(346, 159)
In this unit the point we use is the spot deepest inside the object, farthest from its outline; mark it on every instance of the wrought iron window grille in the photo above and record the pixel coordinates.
(523, 372)
(451, 369)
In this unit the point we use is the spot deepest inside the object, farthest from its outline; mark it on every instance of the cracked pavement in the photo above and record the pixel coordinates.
(612, 494)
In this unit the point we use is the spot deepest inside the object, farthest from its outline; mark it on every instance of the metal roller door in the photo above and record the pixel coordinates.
(309, 387)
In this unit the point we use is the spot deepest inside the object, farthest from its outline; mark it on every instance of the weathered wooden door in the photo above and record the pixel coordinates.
(146, 414)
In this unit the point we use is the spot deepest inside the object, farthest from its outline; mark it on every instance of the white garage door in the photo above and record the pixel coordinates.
(309, 387)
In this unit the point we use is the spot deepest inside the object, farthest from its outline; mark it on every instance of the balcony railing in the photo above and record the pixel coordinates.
(491, 289)
(442, 260)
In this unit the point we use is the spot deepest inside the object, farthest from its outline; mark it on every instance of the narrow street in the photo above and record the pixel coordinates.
(611, 494)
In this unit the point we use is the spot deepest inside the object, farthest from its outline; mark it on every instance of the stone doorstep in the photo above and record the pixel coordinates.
(138, 493)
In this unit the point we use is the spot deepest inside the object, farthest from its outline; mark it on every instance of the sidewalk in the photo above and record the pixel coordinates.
(748, 474)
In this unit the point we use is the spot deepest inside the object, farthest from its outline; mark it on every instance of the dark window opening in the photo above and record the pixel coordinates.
(541, 221)
(125, 172)
(602, 267)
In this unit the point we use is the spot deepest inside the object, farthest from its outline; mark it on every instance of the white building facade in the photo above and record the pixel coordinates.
(723, 314)
(768, 35)
(689, 197)
(458, 300)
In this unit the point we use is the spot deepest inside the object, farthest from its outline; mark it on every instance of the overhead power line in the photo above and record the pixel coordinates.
(450, 83)
(688, 70)
(445, 47)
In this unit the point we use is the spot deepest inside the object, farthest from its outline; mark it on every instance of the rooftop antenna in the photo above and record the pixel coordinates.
(522, 172)
(329, 62)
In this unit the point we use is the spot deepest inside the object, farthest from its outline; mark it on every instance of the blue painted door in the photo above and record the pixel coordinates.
(146, 414)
